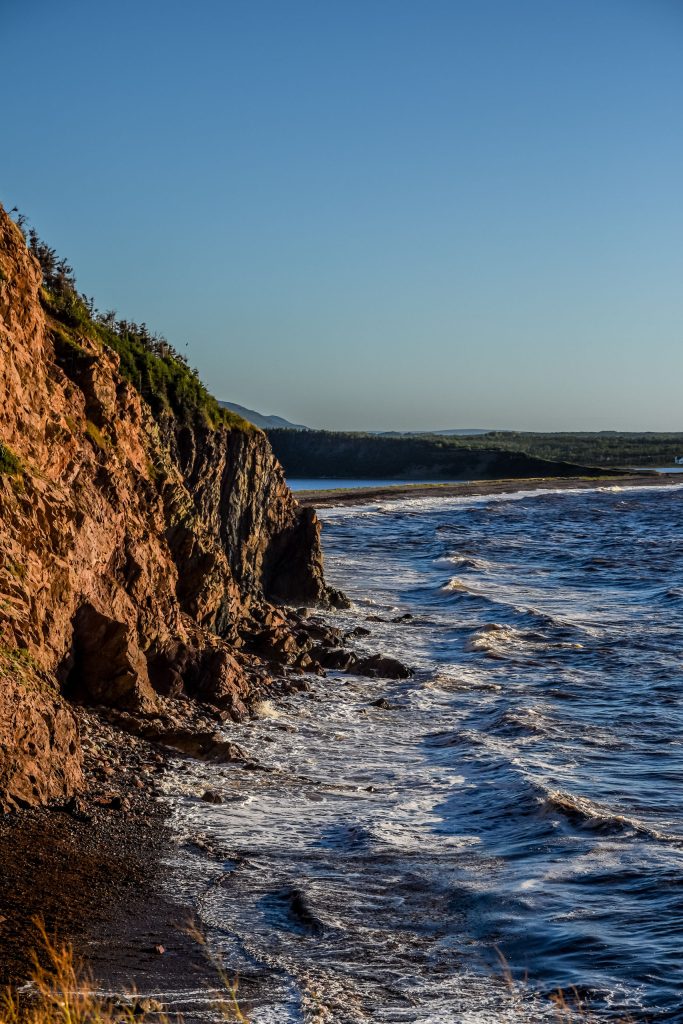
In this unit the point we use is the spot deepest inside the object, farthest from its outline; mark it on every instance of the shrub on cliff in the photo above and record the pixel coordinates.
(162, 375)
(10, 464)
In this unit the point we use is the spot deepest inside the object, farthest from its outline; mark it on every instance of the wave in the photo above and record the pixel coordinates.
(570, 758)
(672, 595)
(498, 641)
(486, 503)
(266, 709)
(488, 637)
(529, 721)
(464, 680)
(465, 562)
(455, 585)
(587, 814)
(596, 562)
(290, 908)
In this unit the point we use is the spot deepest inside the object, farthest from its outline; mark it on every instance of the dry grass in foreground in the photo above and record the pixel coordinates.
(560, 1007)
(62, 992)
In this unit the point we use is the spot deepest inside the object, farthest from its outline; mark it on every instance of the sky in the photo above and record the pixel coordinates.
(370, 214)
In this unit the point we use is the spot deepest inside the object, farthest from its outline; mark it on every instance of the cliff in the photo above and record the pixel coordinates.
(322, 453)
(140, 550)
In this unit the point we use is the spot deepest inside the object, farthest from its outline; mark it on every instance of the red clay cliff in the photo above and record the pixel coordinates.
(138, 558)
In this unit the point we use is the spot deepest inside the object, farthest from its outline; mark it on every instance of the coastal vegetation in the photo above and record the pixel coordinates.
(161, 374)
(612, 448)
(322, 453)
(329, 454)
(10, 464)
(62, 992)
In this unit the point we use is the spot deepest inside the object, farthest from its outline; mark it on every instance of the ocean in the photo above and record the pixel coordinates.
(322, 484)
(507, 822)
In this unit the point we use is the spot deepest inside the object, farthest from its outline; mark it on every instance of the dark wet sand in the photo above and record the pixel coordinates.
(101, 880)
(98, 885)
(403, 489)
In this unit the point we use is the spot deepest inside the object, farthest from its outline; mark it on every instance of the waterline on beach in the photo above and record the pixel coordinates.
(521, 792)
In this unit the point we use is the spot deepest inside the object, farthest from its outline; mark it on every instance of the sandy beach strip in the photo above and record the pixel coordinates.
(403, 489)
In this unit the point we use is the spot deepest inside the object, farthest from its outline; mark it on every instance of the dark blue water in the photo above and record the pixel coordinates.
(522, 793)
(326, 484)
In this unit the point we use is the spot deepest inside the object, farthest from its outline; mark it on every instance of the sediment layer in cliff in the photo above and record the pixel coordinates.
(141, 551)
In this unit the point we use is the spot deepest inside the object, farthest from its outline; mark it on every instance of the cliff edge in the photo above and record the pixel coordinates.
(141, 550)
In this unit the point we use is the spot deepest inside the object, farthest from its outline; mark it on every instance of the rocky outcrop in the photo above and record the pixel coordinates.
(138, 557)
(39, 744)
(239, 497)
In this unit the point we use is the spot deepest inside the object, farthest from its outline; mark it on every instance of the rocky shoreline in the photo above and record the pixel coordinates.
(146, 543)
(152, 558)
(92, 869)
(157, 581)
(95, 866)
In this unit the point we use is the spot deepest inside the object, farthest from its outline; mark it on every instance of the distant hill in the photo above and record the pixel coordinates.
(452, 432)
(472, 456)
(259, 420)
(329, 454)
(459, 432)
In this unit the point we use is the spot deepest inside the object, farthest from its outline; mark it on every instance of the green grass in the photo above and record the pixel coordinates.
(18, 656)
(10, 464)
(66, 306)
(15, 569)
(66, 346)
(19, 663)
(163, 376)
(97, 437)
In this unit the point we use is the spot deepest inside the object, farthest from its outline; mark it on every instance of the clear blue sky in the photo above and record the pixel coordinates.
(371, 213)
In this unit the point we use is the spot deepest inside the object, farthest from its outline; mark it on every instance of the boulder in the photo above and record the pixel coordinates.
(382, 666)
(40, 751)
(335, 658)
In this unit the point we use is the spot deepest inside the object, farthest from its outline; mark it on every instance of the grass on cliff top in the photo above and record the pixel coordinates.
(162, 375)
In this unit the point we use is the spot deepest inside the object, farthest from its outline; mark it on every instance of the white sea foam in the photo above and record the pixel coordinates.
(266, 709)
(386, 852)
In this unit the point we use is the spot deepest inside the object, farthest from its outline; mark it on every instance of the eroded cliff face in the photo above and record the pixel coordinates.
(137, 557)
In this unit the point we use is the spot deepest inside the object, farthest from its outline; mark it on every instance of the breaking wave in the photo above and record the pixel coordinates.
(522, 793)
